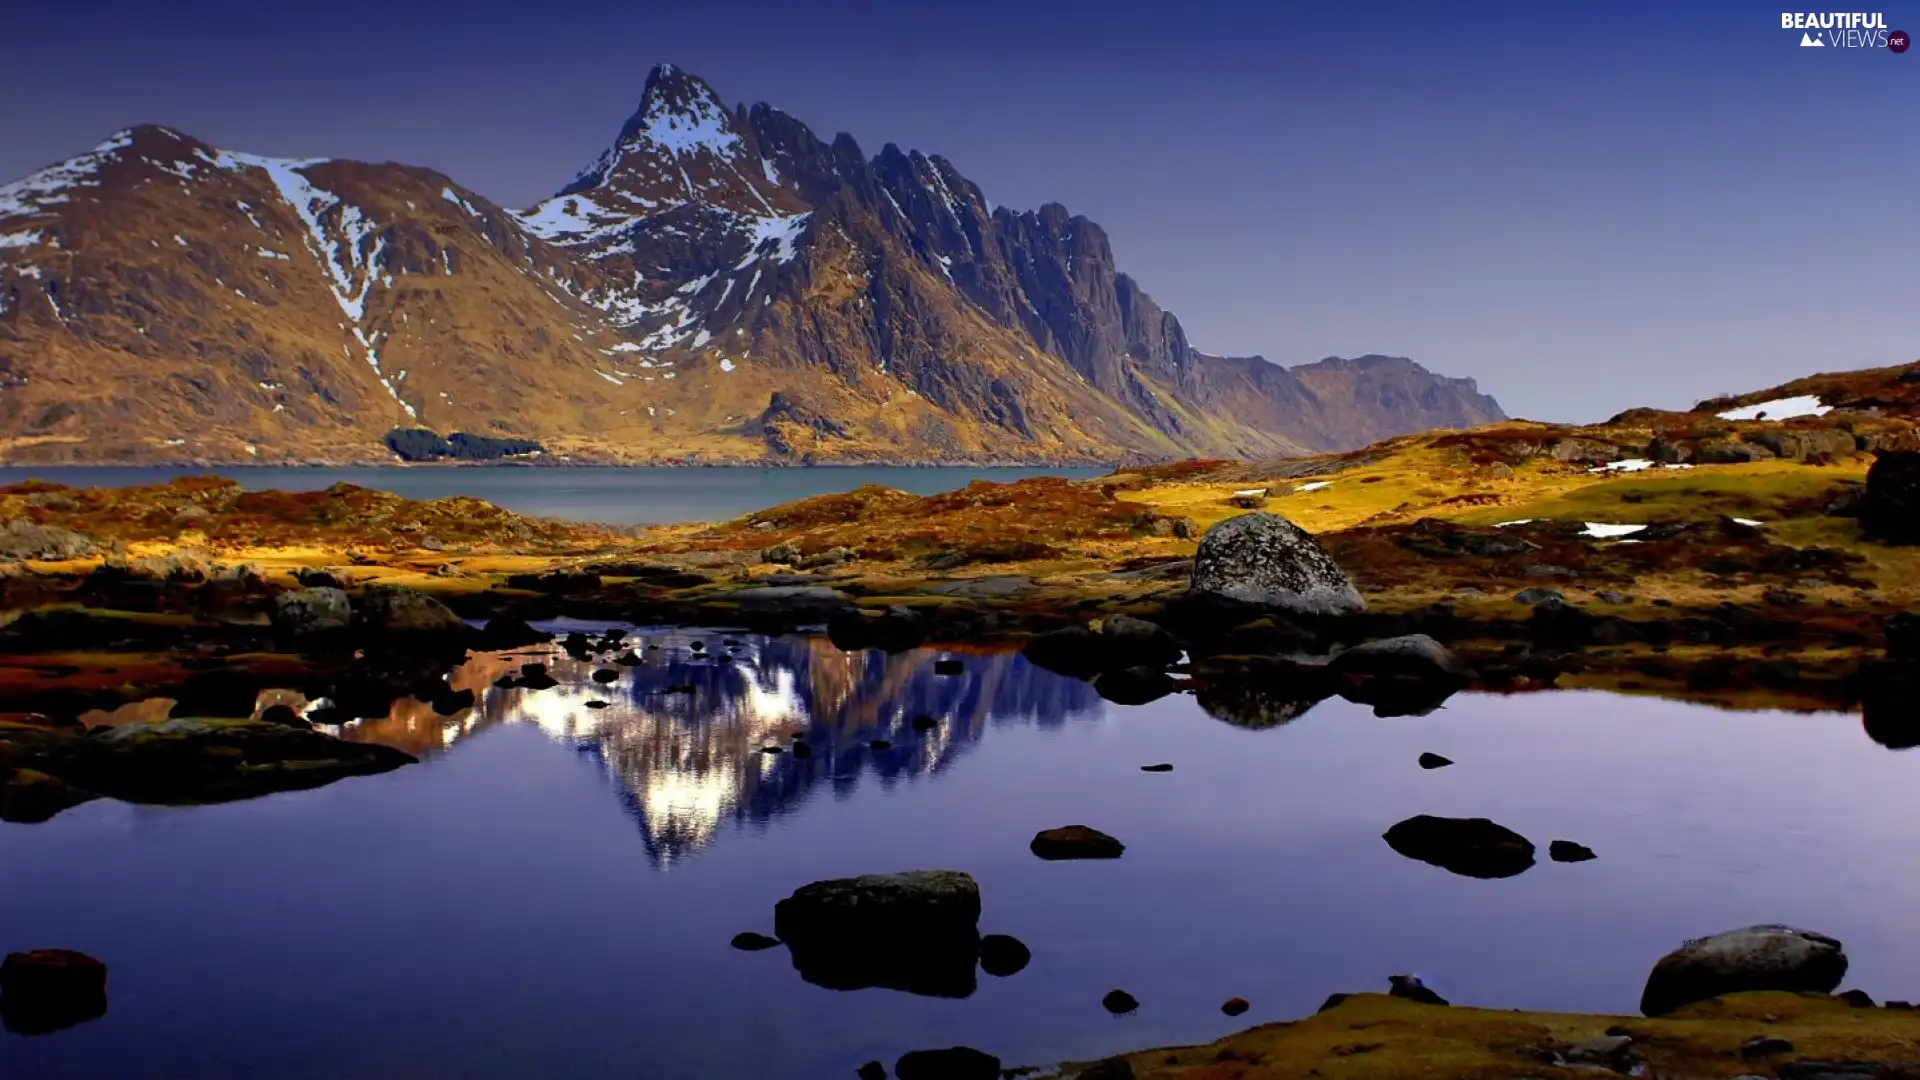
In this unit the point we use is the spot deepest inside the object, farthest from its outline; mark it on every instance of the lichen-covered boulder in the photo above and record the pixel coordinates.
(316, 610)
(397, 611)
(1266, 561)
(1766, 957)
(23, 539)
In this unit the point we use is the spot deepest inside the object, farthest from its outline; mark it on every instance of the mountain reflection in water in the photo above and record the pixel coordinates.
(686, 762)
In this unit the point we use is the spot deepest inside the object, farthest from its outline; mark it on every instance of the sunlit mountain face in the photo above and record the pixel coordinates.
(687, 727)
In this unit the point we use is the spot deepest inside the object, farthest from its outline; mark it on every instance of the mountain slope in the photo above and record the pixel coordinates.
(719, 284)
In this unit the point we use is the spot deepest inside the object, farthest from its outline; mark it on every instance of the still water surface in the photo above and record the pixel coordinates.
(613, 496)
(552, 891)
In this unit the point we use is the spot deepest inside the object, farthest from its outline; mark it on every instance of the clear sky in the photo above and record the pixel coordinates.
(1587, 206)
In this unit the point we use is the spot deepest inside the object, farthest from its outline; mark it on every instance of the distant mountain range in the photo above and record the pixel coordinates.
(719, 286)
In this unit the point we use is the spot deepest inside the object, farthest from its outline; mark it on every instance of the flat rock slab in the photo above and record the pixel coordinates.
(1075, 842)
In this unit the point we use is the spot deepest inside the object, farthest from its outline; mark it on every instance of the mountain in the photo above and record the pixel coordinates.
(719, 285)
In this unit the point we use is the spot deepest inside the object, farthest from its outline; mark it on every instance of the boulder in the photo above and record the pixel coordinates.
(1075, 842)
(1410, 988)
(1002, 955)
(1470, 847)
(29, 796)
(1072, 650)
(318, 609)
(1889, 509)
(1130, 642)
(1767, 957)
(953, 1063)
(1538, 595)
(1568, 851)
(392, 611)
(1119, 1002)
(896, 629)
(1407, 656)
(49, 989)
(504, 632)
(916, 931)
(23, 539)
(1265, 561)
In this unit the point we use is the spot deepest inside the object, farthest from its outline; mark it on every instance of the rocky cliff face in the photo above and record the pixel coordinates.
(720, 285)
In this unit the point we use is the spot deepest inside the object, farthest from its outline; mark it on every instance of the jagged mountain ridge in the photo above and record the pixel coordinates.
(720, 284)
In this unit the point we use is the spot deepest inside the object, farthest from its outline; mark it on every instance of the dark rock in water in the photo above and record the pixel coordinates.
(896, 629)
(1537, 595)
(1002, 955)
(748, 941)
(698, 646)
(953, 1063)
(507, 682)
(1130, 642)
(1073, 650)
(1110, 1069)
(540, 681)
(1859, 999)
(917, 931)
(47, 990)
(1075, 842)
(1470, 847)
(597, 704)
(1134, 686)
(1767, 957)
(1434, 761)
(284, 715)
(879, 744)
(1412, 989)
(949, 667)
(1889, 508)
(1398, 695)
(872, 1070)
(1568, 851)
(224, 692)
(1765, 1046)
(1162, 767)
(1265, 561)
(534, 668)
(316, 579)
(29, 796)
(802, 750)
(1409, 655)
(1119, 1002)
(312, 612)
(606, 675)
(628, 659)
(923, 722)
(776, 749)
(1235, 1006)
(451, 701)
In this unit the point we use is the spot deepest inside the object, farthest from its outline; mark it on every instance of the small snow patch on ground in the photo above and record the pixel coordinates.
(610, 378)
(726, 365)
(1315, 486)
(1779, 409)
(1518, 521)
(178, 239)
(1747, 521)
(1603, 530)
(1628, 465)
(20, 239)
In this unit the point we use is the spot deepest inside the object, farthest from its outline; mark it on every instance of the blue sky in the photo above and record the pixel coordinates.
(1586, 207)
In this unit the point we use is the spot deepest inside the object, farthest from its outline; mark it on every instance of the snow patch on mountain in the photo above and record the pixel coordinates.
(32, 194)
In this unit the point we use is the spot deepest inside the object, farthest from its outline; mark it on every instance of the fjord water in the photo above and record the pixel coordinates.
(553, 889)
(610, 496)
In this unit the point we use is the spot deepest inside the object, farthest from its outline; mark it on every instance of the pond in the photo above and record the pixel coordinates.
(553, 889)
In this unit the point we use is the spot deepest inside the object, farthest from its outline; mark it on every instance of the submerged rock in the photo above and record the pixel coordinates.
(47, 990)
(748, 941)
(916, 931)
(1470, 847)
(1075, 842)
(1266, 561)
(1434, 761)
(1766, 957)
(1568, 851)
(953, 1063)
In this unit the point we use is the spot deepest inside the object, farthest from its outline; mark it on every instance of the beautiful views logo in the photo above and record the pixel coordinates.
(1844, 30)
